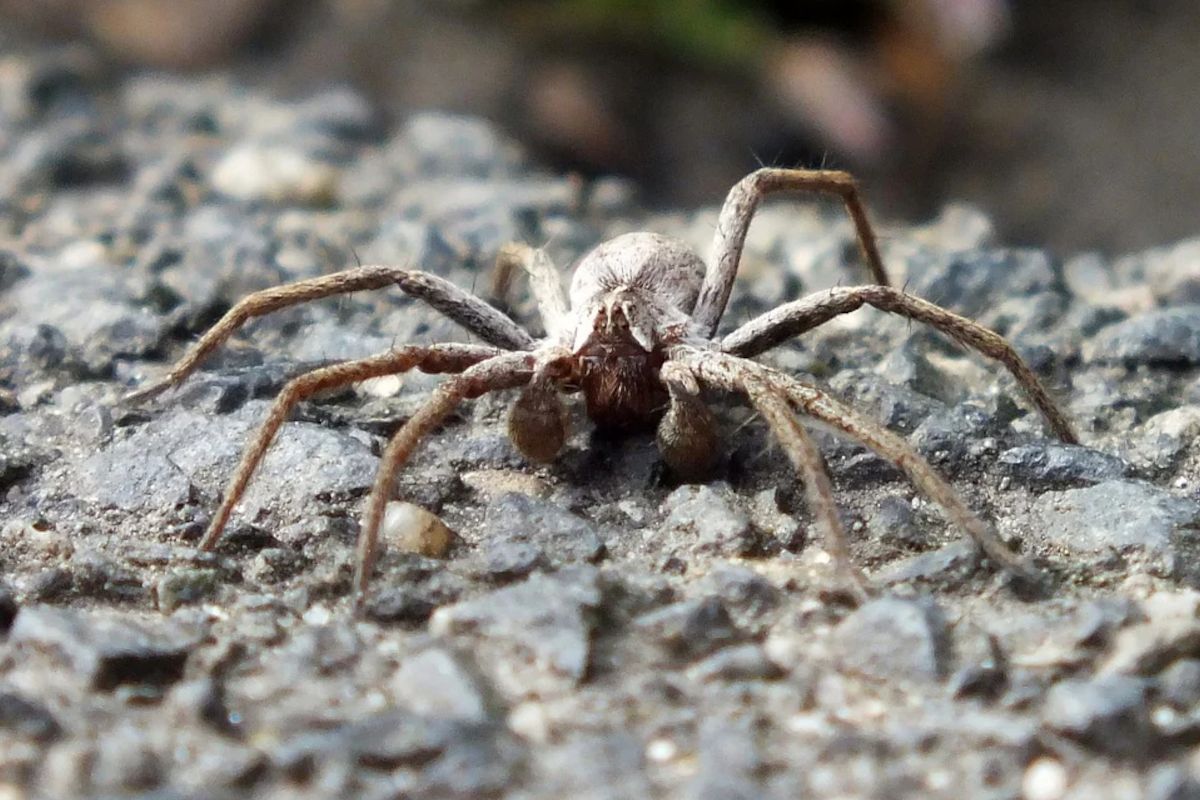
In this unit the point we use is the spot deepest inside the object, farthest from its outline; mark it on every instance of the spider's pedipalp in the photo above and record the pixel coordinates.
(537, 421)
(687, 435)
(726, 370)
(445, 358)
(505, 371)
(462, 307)
(734, 222)
(792, 319)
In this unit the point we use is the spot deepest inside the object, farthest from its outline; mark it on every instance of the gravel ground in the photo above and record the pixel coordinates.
(595, 629)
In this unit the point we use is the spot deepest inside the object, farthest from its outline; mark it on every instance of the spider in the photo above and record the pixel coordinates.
(637, 339)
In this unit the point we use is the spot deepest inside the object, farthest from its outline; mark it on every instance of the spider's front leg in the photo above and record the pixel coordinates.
(801, 451)
(792, 319)
(506, 371)
(737, 212)
(729, 372)
(445, 358)
(462, 307)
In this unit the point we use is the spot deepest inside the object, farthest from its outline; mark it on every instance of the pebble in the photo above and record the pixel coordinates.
(1046, 464)
(27, 719)
(539, 630)
(274, 173)
(516, 525)
(895, 639)
(1117, 516)
(183, 586)
(1169, 336)
(708, 520)
(1179, 684)
(1109, 713)
(105, 649)
(439, 683)
(692, 628)
(408, 528)
(1045, 779)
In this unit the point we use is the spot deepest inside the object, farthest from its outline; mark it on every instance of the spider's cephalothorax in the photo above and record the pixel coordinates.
(631, 299)
(637, 339)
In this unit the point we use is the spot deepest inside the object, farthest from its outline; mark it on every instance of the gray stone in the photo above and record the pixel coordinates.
(1170, 782)
(895, 639)
(608, 766)
(742, 590)
(104, 648)
(1162, 336)
(1118, 516)
(956, 559)
(27, 719)
(745, 662)
(1052, 464)
(1179, 684)
(709, 520)
(438, 683)
(539, 631)
(730, 761)
(158, 466)
(126, 760)
(559, 536)
(894, 522)
(692, 628)
(954, 435)
(183, 586)
(1108, 713)
(972, 282)
(455, 759)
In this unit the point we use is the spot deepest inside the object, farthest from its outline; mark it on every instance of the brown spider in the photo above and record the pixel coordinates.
(637, 339)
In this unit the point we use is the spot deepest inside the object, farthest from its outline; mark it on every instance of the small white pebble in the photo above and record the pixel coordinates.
(1181, 483)
(1005, 482)
(1045, 779)
(660, 750)
(528, 720)
(385, 386)
(408, 528)
(318, 615)
(1164, 716)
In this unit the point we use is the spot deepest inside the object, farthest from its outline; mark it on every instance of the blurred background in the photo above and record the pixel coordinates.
(1075, 125)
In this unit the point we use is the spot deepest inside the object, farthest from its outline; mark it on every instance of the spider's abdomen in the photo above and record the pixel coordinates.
(647, 262)
(622, 390)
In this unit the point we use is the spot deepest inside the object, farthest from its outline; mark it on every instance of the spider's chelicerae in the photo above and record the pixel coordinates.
(637, 339)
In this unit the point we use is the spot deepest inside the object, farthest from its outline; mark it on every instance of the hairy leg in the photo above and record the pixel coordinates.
(462, 307)
(544, 280)
(506, 371)
(792, 319)
(805, 457)
(726, 371)
(738, 211)
(435, 359)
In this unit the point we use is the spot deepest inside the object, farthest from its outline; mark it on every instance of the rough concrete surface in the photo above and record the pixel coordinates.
(594, 629)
